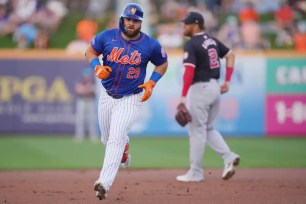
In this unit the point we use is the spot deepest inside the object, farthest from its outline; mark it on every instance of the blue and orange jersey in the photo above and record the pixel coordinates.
(127, 58)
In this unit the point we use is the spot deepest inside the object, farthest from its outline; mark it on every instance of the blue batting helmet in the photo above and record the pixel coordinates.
(133, 11)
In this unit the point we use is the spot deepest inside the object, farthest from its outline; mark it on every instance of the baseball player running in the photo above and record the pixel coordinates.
(202, 55)
(125, 52)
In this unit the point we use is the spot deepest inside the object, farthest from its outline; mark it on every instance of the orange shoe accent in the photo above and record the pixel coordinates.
(125, 153)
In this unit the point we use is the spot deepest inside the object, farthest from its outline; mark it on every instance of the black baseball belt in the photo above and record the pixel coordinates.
(114, 96)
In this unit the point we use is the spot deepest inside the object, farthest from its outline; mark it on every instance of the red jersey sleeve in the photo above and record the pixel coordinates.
(187, 79)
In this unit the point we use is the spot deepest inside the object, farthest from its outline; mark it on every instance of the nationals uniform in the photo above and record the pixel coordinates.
(202, 54)
(119, 101)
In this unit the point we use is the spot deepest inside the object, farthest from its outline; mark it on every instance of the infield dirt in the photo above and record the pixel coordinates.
(279, 186)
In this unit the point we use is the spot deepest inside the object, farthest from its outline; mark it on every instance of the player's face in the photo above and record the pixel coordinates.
(132, 26)
(188, 30)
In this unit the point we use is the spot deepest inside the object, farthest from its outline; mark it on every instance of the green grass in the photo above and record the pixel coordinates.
(61, 152)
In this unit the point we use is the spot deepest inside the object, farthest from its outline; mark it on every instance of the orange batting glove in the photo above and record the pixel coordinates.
(148, 86)
(102, 72)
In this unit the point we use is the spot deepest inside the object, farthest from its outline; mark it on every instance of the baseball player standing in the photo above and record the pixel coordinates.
(125, 52)
(202, 55)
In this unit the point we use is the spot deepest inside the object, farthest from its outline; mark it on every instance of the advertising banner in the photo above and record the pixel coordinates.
(286, 115)
(286, 75)
(243, 106)
(286, 99)
(37, 96)
(240, 114)
(157, 114)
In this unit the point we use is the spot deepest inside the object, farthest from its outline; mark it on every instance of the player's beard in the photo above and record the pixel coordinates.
(188, 33)
(132, 33)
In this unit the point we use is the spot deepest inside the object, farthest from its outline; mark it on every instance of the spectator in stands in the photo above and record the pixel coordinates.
(22, 11)
(251, 34)
(85, 31)
(86, 118)
(50, 16)
(47, 20)
(252, 38)
(5, 26)
(226, 5)
(25, 35)
(170, 38)
(153, 14)
(284, 17)
(284, 37)
(211, 20)
(213, 5)
(300, 37)
(96, 8)
(14, 13)
(173, 10)
(299, 6)
(229, 33)
(248, 13)
(42, 38)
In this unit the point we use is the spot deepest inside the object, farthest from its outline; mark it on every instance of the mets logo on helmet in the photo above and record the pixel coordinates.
(133, 11)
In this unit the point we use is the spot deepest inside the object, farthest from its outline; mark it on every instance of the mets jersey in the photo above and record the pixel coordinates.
(128, 60)
(204, 52)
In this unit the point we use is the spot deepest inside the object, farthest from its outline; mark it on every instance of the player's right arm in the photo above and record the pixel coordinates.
(91, 56)
(189, 62)
(102, 72)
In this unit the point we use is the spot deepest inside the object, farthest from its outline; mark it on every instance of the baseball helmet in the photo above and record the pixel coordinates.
(133, 11)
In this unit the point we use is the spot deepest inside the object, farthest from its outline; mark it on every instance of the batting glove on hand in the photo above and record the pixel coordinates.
(148, 86)
(102, 72)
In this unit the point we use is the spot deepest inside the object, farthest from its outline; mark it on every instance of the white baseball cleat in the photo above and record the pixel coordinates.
(190, 176)
(229, 169)
(127, 162)
(100, 190)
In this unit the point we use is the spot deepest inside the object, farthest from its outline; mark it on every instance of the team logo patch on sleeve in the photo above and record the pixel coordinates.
(185, 55)
(163, 52)
(93, 41)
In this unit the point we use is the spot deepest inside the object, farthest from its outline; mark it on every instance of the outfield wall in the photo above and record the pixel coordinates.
(267, 96)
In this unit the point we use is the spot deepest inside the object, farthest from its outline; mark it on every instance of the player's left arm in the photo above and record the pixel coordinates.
(228, 54)
(160, 59)
(161, 70)
(230, 61)
(158, 72)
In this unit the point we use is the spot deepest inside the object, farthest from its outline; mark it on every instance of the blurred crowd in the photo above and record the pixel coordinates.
(31, 21)
(242, 27)
(240, 24)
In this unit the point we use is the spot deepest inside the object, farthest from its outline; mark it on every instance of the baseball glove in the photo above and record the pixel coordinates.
(182, 116)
